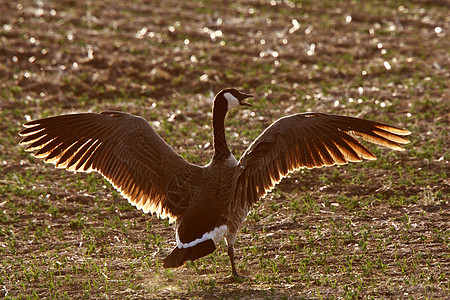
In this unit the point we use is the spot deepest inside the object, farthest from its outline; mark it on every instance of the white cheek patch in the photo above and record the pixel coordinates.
(232, 100)
(216, 235)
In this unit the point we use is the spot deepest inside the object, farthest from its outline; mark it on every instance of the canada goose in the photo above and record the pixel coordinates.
(208, 202)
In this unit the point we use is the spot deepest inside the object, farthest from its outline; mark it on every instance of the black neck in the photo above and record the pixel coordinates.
(220, 110)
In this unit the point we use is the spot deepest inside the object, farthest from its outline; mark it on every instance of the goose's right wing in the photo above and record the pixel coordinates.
(308, 140)
(123, 148)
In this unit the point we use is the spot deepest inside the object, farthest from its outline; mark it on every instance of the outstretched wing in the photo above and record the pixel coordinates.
(310, 140)
(123, 148)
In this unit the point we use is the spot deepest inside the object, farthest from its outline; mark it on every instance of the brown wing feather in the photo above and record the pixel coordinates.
(310, 140)
(123, 148)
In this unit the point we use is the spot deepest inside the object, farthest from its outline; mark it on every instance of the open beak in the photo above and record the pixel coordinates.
(242, 102)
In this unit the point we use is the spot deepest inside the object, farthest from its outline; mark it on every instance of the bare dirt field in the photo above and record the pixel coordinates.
(378, 229)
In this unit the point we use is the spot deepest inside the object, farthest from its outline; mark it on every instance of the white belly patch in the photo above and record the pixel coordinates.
(215, 235)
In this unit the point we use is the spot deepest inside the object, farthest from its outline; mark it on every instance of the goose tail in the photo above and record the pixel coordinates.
(180, 255)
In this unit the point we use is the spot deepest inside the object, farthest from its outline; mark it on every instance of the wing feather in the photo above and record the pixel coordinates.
(310, 140)
(123, 148)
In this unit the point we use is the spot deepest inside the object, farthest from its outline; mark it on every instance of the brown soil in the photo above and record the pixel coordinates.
(378, 229)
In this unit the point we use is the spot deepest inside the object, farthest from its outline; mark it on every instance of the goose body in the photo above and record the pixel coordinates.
(208, 203)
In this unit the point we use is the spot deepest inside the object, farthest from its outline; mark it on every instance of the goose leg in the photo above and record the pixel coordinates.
(233, 266)
(235, 275)
(230, 240)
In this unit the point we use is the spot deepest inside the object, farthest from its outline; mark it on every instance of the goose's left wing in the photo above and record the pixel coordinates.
(125, 149)
(310, 140)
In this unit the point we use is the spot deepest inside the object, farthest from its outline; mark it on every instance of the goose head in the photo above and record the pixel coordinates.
(232, 98)
(225, 100)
